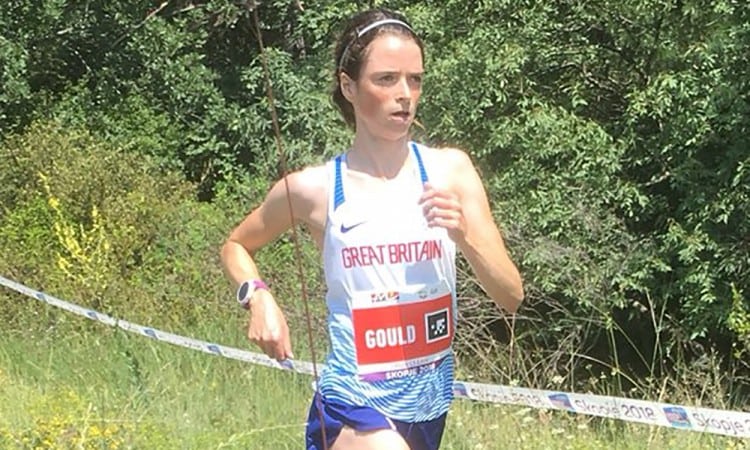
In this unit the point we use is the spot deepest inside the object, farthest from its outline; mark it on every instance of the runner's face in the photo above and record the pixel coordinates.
(385, 96)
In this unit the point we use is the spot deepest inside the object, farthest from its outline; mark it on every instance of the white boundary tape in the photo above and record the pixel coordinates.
(716, 421)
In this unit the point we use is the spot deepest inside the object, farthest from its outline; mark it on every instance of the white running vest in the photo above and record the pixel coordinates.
(391, 299)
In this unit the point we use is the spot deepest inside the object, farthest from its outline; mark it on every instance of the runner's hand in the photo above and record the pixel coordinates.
(441, 208)
(268, 328)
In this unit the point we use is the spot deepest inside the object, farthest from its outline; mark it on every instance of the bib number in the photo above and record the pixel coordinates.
(397, 335)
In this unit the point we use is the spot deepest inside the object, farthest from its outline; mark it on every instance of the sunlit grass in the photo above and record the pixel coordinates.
(105, 389)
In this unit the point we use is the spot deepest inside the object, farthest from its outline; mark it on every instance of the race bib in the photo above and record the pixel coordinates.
(399, 334)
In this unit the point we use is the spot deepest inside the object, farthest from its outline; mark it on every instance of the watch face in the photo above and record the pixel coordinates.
(243, 291)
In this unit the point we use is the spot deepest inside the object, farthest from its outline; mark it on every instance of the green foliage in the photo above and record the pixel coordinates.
(738, 321)
(180, 82)
(689, 155)
(85, 220)
(64, 420)
(131, 123)
(14, 88)
(84, 251)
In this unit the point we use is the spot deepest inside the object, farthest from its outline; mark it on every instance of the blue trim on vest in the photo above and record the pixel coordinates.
(338, 189)
(422, 171)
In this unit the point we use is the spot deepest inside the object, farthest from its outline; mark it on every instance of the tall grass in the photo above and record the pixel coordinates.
(103, 388)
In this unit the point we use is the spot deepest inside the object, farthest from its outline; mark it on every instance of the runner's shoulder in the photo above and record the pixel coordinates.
(309, 183)
(450, 160)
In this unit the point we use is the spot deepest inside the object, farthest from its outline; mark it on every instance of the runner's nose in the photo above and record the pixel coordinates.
(404, 90)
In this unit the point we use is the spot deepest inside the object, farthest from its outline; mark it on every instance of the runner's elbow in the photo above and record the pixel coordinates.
(230, 251)
(511, 299)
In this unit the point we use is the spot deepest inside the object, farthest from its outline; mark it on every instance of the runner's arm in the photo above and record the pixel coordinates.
(267, 326)
(261, 226)
(482, 243)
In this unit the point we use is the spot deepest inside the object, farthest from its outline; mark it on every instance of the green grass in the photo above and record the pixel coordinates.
(107, 389)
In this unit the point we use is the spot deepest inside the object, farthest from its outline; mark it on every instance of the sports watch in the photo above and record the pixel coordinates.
(247, 289)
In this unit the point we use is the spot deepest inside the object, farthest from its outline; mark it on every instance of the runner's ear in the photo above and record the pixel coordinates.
(348, 86)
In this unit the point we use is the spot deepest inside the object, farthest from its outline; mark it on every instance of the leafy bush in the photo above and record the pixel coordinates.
(84, 221)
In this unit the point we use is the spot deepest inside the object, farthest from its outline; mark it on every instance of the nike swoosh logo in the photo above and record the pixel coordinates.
(345, 229)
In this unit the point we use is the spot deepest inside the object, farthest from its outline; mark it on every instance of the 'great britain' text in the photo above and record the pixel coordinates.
(404, 253)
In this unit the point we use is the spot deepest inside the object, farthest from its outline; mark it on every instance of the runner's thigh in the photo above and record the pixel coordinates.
(351, 439)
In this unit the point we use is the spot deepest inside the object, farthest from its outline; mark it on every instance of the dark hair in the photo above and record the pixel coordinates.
(351, 50)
